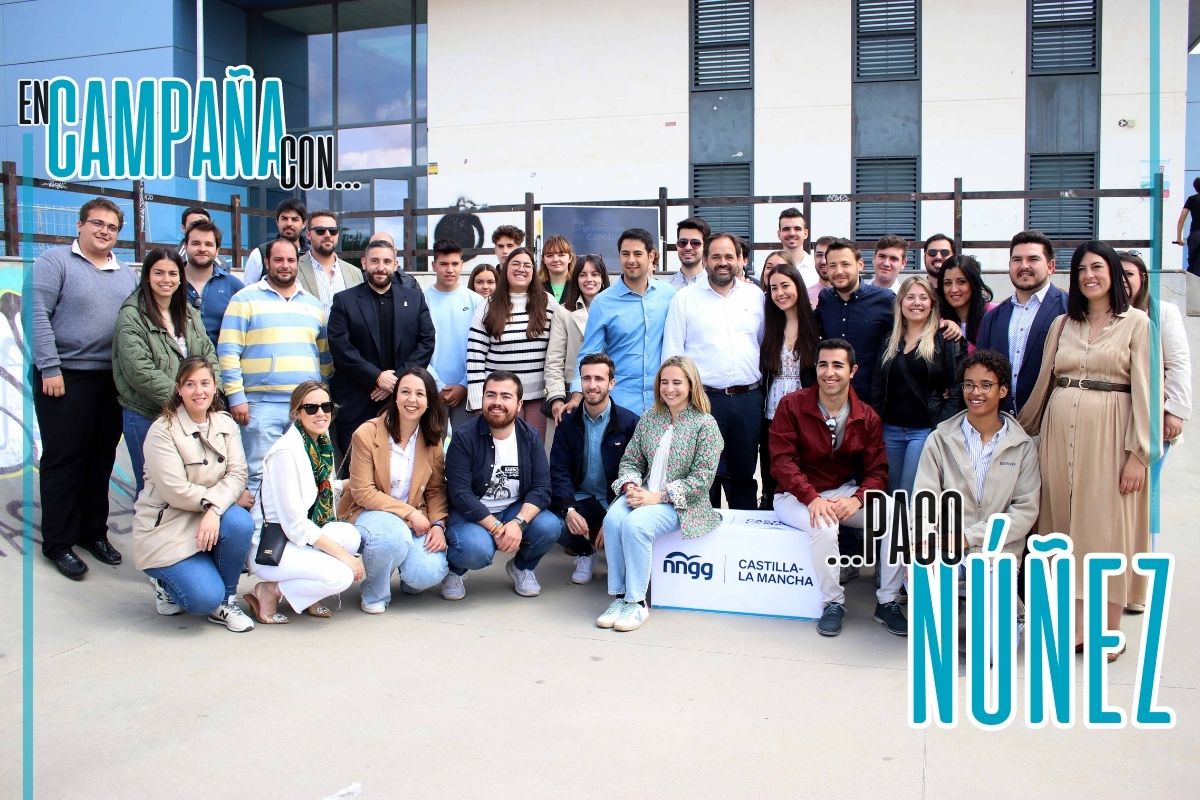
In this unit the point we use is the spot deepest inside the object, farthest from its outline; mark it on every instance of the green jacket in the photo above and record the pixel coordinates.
(146, 358)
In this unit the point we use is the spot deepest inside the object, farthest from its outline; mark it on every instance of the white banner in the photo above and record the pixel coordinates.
(751, 564)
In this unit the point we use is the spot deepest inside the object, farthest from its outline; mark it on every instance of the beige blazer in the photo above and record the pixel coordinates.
(305, 272)
(371, 468)
(562, 353)
(183, 470)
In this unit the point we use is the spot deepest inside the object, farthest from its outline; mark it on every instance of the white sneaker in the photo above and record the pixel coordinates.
(232, 617)
(162, 601)
(583, 569)
(633, 616)
(374, 608)
(611, 614)
(524, 581)
(453, 587)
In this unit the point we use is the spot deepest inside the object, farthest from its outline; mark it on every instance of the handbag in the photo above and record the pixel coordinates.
(271, 544)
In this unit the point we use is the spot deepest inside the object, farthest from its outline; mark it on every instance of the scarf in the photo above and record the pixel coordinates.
(320, 458)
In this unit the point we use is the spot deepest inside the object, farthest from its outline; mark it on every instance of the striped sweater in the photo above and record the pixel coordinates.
(513, 351)
(269, 345)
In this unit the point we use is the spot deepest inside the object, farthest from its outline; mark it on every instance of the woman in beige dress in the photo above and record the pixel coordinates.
(1094, 447)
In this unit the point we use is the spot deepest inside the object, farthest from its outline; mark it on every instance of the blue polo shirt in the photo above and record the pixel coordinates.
(221, 287)
(864, 320)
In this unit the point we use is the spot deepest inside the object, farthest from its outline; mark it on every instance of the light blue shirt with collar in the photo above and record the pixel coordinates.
(1019, 326)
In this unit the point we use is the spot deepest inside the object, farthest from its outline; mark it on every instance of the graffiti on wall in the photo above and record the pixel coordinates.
(464, 228)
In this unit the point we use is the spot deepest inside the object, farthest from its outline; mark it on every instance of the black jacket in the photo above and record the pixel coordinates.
(567, 456)
(472, 457)
(353, 332)
(943, 394)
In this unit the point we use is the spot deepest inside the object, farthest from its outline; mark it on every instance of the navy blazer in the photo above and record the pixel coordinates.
(353, 332)
(993, 335)
(472, 457)
(568, 455)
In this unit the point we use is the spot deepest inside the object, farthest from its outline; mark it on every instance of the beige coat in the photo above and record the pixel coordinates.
(1013, 485)
(562, 354)
(371, 468)
(183, 470)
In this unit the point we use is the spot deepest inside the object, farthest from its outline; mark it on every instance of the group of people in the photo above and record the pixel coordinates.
(593, 411)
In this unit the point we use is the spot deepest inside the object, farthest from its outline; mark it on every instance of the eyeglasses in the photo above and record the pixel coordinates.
(312, 408)
(689, 243)
(323, 231)
(939, 253)
(831, 424)
(100, 225)
(983, 386)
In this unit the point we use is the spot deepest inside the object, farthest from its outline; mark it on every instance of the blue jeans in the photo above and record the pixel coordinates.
(629, 536)
(135, 427)
(389, 545)
(904, 446)
(205, 580)
(268, 421)
(472, 547)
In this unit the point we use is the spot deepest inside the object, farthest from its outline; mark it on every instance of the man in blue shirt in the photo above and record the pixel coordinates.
(209, 286)
(851, 310)
(626, 321)
(588, 446)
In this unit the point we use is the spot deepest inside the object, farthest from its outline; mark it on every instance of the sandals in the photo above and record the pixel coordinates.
(319, 609)
(275, 619)
(1114, 656)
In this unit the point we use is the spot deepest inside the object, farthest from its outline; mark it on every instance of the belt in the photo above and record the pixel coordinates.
(733, 389)
(1098, 386)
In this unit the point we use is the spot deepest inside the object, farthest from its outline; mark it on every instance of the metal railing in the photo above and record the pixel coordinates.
(410, 253)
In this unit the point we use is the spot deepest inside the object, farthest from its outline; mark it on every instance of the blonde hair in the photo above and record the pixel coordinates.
(697, 398)
(299, 393)
(929, 333)
(556, 244)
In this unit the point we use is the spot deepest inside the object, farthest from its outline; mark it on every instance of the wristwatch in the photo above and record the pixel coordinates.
(207, 506)
(521, 523)
(569, 510)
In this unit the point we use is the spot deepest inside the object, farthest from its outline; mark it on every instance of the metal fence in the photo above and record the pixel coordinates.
(413, 256)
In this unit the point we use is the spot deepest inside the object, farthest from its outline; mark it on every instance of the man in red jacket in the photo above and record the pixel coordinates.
(826, 453)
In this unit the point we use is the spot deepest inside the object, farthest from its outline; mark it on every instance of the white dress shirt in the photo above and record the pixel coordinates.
(721, 333)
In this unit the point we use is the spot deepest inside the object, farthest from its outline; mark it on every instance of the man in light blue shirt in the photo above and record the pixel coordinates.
(451, 306)
(626, 321)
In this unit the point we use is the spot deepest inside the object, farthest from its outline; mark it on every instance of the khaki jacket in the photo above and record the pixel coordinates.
(371, 468)
(562, 353)
(1013, 485)
(183, 470)
(306, 273)
(146, 358)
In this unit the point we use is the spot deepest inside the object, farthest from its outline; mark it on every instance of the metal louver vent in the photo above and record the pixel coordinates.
(1063, 219)
(872, 220)
(721, 44)
(886, 39)
(1063, 36)
(724, 180)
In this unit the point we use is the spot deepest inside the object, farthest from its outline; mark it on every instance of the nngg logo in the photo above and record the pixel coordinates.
(677, 562)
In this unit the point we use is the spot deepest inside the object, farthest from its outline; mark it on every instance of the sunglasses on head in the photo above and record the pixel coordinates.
(312, 408)
(323, 231)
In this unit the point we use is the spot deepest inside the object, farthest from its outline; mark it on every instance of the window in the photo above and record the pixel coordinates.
(721, 44)
(724, 180)
(1063, 36)
(885, 40)
(1063, 219)
(874, 219)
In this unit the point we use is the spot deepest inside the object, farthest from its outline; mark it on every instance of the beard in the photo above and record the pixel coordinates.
(499, 417)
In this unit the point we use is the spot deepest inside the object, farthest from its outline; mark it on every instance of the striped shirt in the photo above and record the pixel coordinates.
(270, 344)
(979, 452)
(513, 351)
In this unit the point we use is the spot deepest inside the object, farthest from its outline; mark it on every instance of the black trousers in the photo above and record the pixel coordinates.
(764, 467)
(80, 432)
(593, 514)
(739, 416)
(1193, 250)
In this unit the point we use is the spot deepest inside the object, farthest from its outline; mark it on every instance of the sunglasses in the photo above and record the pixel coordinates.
(689, 243)
(831, 424)
(939, 253)
(323, 231)
(312, 408)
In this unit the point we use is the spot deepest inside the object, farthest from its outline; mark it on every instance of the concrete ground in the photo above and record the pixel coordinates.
(501, 696)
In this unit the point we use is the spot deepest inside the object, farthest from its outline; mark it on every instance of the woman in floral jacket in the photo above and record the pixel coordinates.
(662, 485)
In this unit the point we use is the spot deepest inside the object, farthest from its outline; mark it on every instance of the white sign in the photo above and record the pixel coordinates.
(751, 564)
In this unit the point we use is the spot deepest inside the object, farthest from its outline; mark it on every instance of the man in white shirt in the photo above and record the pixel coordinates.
(718, 323)
(891, 253)
(793, 233)
(320, 271)
(689, 246)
